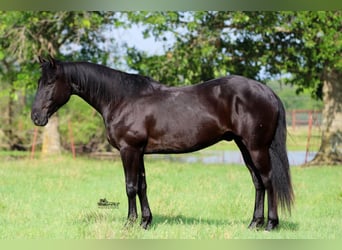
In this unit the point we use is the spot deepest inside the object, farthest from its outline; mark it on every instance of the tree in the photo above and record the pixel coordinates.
(313, 43)
(25, 35)
(302, 47)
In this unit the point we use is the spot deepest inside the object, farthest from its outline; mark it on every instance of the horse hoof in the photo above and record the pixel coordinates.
(146, 222)
(256, 223)
(272, 224)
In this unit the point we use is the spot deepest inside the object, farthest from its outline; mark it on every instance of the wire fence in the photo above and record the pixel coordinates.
(305, 130)
(302, 117)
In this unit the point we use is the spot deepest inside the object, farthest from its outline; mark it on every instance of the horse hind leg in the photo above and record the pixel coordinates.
(258, 214)
(261, 160)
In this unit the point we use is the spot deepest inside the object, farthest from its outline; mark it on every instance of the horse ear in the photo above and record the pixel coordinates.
(52, 62)
(41, 60)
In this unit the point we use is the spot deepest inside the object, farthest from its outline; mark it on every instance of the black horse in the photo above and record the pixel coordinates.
(142, 116)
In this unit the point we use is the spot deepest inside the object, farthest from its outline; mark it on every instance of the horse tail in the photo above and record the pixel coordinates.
(280, 176)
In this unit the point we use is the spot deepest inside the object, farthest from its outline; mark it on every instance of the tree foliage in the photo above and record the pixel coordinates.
(257, 44)
(77, 35)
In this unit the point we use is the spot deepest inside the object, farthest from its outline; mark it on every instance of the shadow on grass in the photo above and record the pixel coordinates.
(181, 219)
(161, 219)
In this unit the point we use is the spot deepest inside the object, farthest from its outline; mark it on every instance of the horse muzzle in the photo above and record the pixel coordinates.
(39, 119)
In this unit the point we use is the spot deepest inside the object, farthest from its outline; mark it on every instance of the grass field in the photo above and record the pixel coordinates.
(57, 199)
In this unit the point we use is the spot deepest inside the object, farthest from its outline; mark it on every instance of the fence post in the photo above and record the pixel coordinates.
(34, 141)
(293, 119)
(72, 144)
(309, 136)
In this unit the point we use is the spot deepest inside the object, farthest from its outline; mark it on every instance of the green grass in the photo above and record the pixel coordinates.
(57, 199)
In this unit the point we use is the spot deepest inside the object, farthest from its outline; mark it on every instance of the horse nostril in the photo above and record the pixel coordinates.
(34, 117)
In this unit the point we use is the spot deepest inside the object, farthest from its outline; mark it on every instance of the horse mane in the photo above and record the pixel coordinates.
(105, 83)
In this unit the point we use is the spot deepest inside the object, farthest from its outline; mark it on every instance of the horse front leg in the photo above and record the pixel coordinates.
(131, 159)
(146, 215)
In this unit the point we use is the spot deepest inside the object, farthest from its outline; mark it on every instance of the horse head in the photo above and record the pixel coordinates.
(53, 91)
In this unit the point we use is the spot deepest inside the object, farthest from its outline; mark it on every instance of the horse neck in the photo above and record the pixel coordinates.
(89, 81)
(102, 87)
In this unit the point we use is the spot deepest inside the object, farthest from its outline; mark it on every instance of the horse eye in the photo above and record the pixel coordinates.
(51, 81)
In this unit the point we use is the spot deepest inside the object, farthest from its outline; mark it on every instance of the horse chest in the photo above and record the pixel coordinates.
(125, 128)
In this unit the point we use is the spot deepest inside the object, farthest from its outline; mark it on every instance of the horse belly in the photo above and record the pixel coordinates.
(192, 133)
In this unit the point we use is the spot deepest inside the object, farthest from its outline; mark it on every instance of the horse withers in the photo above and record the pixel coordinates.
(142, 116)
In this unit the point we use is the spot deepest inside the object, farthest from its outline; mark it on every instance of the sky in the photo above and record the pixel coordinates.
(133, 37)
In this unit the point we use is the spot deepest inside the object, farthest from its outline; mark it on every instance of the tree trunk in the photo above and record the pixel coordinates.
(51, 139)
(330, 152)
